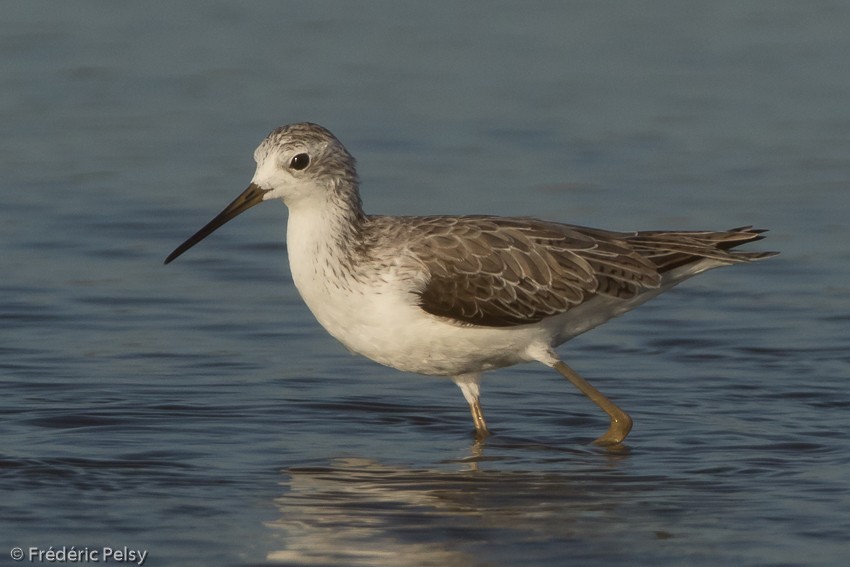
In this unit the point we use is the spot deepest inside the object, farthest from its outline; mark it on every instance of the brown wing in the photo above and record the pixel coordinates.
(501, 272)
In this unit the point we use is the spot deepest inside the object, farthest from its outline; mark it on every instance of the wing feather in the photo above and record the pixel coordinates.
(502, 272)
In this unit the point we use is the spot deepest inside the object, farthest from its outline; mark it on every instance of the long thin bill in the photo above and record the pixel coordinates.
(253, 195)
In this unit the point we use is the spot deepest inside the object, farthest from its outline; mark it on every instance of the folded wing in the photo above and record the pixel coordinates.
(502, 272)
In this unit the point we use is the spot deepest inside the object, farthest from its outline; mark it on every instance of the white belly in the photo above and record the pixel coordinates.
(382, 323)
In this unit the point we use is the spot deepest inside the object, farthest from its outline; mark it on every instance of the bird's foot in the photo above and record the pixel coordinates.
(617, 431)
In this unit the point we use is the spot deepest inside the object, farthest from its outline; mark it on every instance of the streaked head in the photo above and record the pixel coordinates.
(301, 161)
(296, 163)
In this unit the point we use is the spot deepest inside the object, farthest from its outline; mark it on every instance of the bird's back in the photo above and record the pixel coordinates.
(504, 272)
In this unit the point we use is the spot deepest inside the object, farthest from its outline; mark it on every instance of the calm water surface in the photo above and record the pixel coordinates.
(198, 412)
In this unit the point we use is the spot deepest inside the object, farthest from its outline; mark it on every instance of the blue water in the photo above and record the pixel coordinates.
(198, 412)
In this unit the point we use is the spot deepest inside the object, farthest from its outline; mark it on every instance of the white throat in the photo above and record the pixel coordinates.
(321, 243)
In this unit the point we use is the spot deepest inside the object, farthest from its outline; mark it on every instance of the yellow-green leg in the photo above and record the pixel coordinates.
(468, 384)
(621, 423)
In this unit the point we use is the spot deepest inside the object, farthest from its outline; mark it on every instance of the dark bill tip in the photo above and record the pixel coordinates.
(253, 195)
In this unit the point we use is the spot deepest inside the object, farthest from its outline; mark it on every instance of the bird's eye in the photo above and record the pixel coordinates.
(299, 161)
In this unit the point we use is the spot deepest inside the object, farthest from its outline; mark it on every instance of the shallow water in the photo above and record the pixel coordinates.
(197, 411)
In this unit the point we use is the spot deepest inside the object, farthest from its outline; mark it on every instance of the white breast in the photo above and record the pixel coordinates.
(376, 314)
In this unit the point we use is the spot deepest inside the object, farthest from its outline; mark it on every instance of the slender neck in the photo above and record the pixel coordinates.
(326, 232)
(345, 209)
